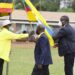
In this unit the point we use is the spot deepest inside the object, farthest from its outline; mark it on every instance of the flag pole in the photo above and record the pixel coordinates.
(29, 21)
(7, 66)
(31, 25)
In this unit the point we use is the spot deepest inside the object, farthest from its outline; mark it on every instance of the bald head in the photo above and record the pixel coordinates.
(40, 29)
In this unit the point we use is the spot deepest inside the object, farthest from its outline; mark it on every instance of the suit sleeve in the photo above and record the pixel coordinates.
(12, 36)
(60, 34)
(43, 46)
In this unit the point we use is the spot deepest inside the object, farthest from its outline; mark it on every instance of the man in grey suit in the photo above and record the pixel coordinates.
(66, 44)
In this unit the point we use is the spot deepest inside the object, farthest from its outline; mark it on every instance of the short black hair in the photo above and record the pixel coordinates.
(66, 18)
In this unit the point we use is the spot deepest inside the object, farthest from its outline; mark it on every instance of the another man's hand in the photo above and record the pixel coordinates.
(55, 45)
(31, 33)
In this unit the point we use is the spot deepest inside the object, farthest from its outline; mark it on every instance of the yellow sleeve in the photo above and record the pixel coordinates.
(12, 36)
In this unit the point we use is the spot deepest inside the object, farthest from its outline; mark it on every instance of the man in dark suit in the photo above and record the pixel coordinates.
(66, 44)
(42, 53)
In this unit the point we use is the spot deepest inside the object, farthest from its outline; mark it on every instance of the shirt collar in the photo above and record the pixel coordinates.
(40, 34)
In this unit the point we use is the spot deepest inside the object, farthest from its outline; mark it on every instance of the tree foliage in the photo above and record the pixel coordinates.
(18, 4)
(44, 5)
(73, 5)
(65, 10)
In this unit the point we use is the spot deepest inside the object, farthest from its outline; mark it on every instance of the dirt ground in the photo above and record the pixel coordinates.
(23, 44)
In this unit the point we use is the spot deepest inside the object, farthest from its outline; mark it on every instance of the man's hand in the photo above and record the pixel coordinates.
(31, 33)
(31, 39)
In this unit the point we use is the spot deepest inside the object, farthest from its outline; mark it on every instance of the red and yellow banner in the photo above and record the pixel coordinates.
(6, 7)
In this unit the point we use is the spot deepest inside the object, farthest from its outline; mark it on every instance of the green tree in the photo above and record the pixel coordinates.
(73, 5)
(53, 5)
(66, 10)
(18, 4)
(46, 5)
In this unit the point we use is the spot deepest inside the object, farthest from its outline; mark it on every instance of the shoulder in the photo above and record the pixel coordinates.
(5, 31)
(62, 30)
(66, 28)
(43, 37)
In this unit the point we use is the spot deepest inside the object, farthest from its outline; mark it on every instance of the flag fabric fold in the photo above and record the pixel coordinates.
(6, 7)
(30, 15)
(47, 32)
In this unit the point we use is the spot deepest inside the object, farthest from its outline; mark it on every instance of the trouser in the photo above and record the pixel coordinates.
(68, 64)
(43, 71)
(1, 66)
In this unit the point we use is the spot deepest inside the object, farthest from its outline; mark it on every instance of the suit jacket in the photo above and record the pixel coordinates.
(66, 40)
(42, 52)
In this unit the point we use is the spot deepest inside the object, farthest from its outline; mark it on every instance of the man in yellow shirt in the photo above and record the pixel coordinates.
(6, 37)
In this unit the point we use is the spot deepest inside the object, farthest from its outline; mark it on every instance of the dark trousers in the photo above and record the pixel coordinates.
(69, 63)
(43, 71)
(1, 66)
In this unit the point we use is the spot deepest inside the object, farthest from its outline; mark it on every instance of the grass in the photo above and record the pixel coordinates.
(22, 62)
